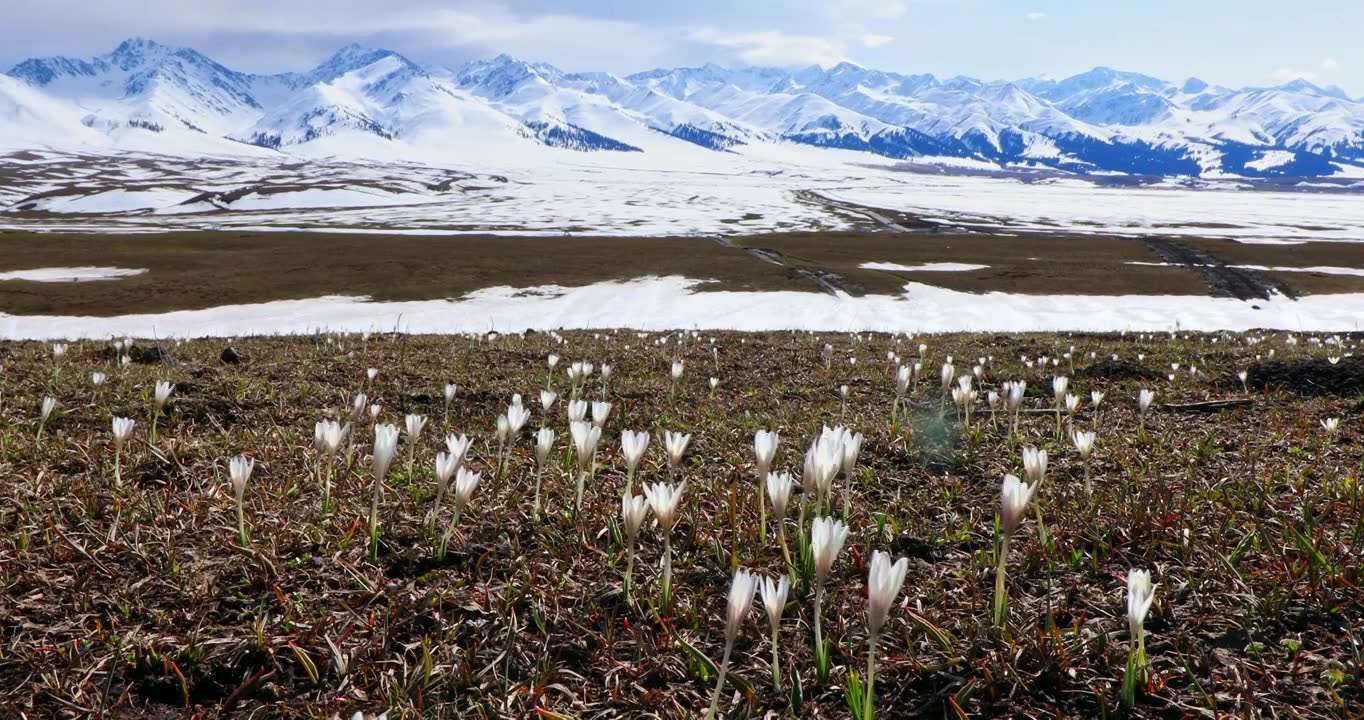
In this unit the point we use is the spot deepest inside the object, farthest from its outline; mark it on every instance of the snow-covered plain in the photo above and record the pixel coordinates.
(559, 191)
(1080, 206)
(664, 303)
(553, 192)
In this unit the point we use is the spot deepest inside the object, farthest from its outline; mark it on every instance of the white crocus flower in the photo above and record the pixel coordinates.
(1034, 464)
(517, 417)
(385, 446)
(328, 435)
(577, 411)
(666, 500)
(358, 407)
(465, 484)
(884, 580)
(1013, 502)
(676, 446)
(632, 447)
(827, 536)
(1084, 444)
(633, 509)
(446, 466)
(1141, 593)
(46, 408)
(601, 410)
(1144, 400)
(774, 602)
(123, 430)
(740, 600)
(239, 473)
(779, 494)
(413, 426)
(544, 443)
(585, 438)
(458, 447)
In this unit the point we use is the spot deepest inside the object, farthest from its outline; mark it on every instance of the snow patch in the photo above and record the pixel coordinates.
(923, 267)
(1315, 269)
(663, 303)
(322, 198)
(1272, 159)
(71, 274)
(114, 201)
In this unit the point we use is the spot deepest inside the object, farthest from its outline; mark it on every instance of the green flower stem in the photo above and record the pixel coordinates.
(776, 662)
(720, 681)
(1001, 597)
(869, 709)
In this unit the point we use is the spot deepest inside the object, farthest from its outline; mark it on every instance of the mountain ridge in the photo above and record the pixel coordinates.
(1099, 121)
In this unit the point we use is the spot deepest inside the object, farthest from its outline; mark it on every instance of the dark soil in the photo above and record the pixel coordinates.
(1119, 370)
(1314, 376)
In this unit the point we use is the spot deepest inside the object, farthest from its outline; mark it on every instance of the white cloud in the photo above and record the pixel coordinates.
(876, 41)
(1288, 74)
(437, 27)
(887, 9)
(1035, 15)
(773, 47)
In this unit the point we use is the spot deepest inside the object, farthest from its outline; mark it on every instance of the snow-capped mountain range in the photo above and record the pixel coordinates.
(365, 100)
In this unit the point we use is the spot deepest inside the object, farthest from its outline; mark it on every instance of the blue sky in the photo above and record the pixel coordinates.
(1247, 42)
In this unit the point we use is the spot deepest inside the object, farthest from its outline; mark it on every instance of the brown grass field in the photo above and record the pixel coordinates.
(195, 270)
(140, 601)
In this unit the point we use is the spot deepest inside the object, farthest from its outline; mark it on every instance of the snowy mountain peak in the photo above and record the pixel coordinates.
(1109, 75)
(1300, 85)
(133, 56)
(138, 52)
(504, 74)
(1099, 79)
(1306, 87)
(844, 68)
(42, 71)
(349, 58)
(1193, 86)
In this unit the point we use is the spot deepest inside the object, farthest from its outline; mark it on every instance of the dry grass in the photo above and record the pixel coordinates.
(193, 270)
(138, 602)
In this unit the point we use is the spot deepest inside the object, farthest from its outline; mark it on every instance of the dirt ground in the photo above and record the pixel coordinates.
(196, 270)
(139, 600)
